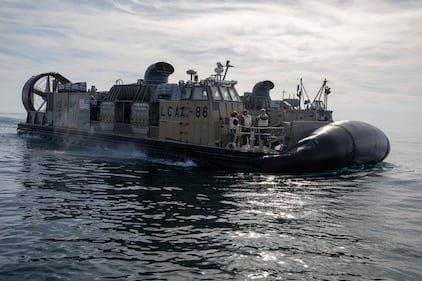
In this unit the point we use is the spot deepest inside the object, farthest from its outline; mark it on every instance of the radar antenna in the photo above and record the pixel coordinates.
(218, 70)
(191, 72)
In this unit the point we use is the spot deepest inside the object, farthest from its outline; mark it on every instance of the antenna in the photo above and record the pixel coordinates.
(227, 68)
(191, 72)
(324, 90)
(301, 93)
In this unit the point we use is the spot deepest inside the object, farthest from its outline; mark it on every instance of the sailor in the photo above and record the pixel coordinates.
(246, 119)
(262, 118)
(233, 125)
(246, 123)
(262, 123)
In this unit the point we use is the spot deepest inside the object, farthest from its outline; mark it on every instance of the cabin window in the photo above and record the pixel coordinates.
(215, 93)
(199, 93)
(233, 93)
(186, 93)
(225, 93)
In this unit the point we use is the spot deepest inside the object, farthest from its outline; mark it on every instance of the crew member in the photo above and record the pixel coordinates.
(262, 123)
(246, 122)
(233, 125)
(262, 118)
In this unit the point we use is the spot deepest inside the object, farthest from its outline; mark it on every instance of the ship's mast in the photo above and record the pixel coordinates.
(324, 90)
(300, 92)
(227, 68)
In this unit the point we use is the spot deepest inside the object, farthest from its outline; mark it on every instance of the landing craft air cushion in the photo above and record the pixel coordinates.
(199, 120)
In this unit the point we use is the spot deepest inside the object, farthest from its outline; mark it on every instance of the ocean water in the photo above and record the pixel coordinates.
(90, 214)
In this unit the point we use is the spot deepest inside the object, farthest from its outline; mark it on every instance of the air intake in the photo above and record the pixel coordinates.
(158, 73)
(262, 89)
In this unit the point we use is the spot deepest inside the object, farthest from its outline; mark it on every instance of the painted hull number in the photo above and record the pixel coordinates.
(183, 111)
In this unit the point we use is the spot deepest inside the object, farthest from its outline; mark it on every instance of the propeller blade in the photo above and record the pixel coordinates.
(39, 92)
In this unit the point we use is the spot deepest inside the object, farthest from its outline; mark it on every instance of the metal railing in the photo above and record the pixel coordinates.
(258, 137)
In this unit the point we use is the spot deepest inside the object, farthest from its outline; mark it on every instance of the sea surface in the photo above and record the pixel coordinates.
(95, 214)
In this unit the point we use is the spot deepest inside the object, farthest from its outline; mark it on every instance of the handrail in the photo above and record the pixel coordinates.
(261, 136)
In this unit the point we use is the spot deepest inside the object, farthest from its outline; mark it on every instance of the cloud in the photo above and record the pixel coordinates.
(368, 50)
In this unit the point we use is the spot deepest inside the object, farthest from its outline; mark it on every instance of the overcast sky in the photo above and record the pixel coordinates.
(370, 51)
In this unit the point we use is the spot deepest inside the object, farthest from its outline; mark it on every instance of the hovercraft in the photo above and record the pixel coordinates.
(205, 121)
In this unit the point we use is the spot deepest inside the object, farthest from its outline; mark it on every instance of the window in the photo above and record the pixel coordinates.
(215, 93)
(234, 94)
(199, 93)
(225, 93)
(186, 93)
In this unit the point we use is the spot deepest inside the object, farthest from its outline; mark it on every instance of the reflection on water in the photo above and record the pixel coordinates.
(83, 215)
